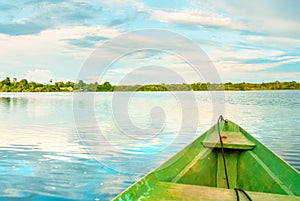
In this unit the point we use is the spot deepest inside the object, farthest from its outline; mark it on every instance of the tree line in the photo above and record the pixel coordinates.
(8, 85)
(212, 86)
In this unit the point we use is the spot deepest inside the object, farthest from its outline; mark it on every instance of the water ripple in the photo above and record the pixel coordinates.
(43, 157)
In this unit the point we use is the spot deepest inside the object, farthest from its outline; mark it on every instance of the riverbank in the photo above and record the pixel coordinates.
(23, 85)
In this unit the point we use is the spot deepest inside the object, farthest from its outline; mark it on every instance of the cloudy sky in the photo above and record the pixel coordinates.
(246, 41)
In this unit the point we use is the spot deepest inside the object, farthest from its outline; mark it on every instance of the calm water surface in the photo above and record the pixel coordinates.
(46, 155)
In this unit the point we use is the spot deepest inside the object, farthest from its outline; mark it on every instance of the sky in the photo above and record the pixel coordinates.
(245, 40)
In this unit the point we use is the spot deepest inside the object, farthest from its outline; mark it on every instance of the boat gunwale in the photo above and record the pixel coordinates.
(181, 152)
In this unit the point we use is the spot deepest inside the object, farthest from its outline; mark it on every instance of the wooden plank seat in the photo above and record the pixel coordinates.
(231, 140)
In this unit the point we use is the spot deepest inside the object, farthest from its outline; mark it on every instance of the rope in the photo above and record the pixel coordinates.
(237, 194)
(223, 155)
(225, 167)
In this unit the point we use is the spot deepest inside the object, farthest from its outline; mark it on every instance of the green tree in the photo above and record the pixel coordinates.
(105, 87)
(81, 84)
(23, 82)
(6, 81)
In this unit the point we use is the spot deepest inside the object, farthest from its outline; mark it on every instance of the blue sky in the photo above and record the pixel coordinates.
(246, 41)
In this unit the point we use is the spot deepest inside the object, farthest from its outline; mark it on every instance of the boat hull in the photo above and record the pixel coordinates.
(250, 166)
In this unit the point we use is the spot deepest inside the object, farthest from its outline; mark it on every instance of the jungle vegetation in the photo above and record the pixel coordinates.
(8, 85)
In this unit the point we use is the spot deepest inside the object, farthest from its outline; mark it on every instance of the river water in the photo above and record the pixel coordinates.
(91, 146)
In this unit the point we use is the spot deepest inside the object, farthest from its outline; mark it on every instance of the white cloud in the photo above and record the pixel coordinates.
(269, 16)
(285, 75)
(51, 41)
(122, 3)
(233, 54)
(263, 76)
(142, 66)
(232, 69)
(273, 41)
(49, 49)
(197, 17)
(38, 75)
(235, 66)
(79, 32)
(59, 38)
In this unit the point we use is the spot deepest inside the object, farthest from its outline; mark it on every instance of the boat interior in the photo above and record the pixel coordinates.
(197, 172)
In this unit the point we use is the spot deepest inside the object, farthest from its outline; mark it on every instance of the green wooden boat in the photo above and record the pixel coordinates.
(197, 171)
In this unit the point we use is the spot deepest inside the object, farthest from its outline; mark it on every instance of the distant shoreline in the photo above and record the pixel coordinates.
(70, 92)
(8, 85)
